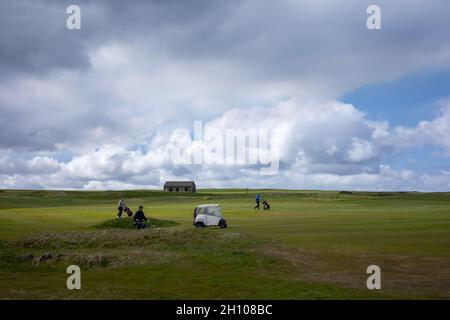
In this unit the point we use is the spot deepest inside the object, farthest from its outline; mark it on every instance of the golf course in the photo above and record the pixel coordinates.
(309, 245)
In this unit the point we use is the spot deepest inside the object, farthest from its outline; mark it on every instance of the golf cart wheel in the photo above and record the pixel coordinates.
(199, 225)
(222, 224)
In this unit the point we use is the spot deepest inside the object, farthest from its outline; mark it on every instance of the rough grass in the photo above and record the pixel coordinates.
(117, 238)
(127, 223)
(157, 264)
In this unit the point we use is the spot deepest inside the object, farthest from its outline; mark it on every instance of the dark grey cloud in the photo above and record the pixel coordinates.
(274, 38)
(269, 40)
(34, 39)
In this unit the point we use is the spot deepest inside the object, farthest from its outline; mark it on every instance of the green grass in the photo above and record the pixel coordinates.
(311, 245)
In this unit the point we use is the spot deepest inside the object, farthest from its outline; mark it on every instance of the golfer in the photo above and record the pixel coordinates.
(258, 200)
(120, 207)
(139, 218)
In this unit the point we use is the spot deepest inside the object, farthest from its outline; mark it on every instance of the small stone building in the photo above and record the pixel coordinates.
(180, 186)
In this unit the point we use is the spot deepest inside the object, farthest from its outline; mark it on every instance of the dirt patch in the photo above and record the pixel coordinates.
(413, 276)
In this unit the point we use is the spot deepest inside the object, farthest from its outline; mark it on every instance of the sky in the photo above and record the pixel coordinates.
(102, 107)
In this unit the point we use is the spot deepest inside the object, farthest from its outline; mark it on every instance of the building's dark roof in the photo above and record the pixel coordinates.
(179, 184)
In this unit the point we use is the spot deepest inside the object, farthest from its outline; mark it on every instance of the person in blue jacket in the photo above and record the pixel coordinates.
(258, 200)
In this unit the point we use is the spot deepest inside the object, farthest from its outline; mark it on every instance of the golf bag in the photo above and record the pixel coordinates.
(128, 212)
(139, 224)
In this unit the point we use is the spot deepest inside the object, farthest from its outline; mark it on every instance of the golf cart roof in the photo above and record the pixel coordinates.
(208, 205)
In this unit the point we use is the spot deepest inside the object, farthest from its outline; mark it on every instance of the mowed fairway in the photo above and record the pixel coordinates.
(311, 245)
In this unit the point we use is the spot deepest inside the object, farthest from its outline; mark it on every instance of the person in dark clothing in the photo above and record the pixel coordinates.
(140, 219)
(257, 199)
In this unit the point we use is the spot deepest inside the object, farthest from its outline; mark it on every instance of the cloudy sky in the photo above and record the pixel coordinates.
(354, 108)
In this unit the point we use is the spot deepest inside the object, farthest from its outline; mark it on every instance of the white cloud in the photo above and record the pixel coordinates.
(323, 144)
(362, 150)
(434, 133)
(41, 164)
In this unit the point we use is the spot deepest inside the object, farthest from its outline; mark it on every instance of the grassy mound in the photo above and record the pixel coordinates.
(127, 223)
(115, 238)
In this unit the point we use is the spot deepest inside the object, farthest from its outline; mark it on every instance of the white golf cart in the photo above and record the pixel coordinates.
(208, 215)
